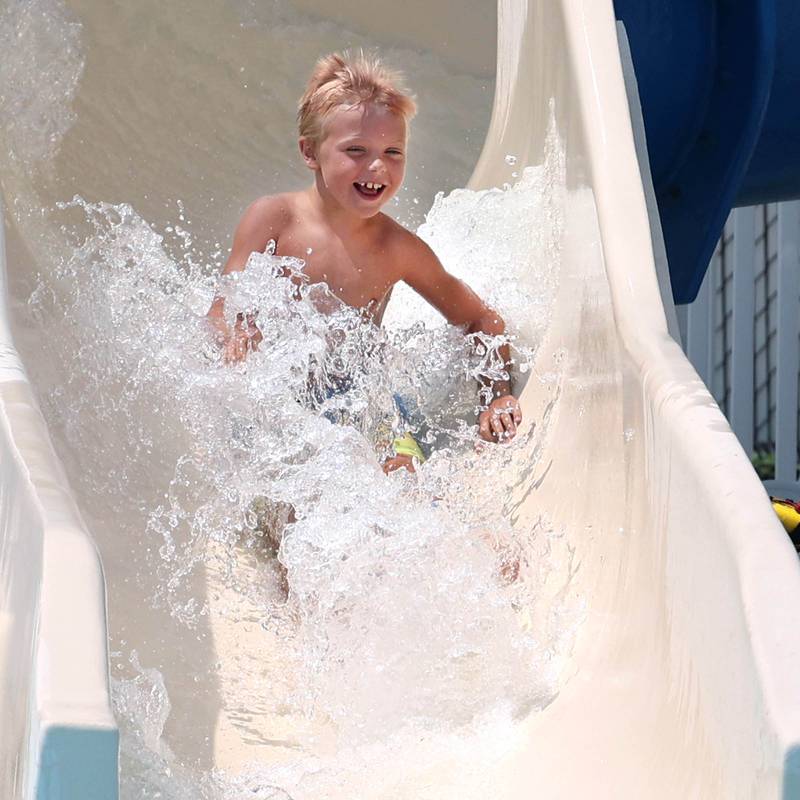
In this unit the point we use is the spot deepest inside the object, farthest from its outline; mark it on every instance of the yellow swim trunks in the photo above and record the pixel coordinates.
(407, 446)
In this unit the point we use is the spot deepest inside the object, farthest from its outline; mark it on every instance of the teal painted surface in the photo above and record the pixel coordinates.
(791, 774)
(79, 764)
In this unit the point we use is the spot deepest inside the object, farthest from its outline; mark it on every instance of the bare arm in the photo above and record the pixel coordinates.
(260, 222)
(461, 306)
(457, 303)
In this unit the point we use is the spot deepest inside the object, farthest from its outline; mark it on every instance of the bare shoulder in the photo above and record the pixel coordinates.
(272, 211)
(407, 250)
(263, 219)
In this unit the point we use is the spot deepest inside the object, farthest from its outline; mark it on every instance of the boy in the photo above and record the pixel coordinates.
(353, 123)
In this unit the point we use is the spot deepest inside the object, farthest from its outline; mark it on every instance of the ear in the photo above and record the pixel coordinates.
(307, 150)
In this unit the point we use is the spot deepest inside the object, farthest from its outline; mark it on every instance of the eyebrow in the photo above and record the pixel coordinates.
(357, 140)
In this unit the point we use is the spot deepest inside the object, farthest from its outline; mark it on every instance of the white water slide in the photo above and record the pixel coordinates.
(683, 678)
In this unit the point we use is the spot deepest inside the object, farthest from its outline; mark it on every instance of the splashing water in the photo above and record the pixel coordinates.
(398, 615)
(227, 485)
(41, 70)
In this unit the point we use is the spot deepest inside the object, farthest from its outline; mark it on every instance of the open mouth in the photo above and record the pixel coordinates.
(369, 189)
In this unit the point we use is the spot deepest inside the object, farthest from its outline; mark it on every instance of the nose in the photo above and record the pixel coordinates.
(376, 165)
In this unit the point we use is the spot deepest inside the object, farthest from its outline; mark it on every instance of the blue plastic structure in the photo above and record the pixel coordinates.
(719, 83)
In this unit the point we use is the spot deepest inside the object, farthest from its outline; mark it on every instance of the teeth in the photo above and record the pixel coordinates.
(370, 185)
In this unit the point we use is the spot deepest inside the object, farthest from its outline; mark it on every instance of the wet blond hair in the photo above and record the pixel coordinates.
(344, 79)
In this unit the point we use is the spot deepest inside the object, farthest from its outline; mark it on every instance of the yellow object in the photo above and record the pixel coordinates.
(788, 512)
(407, 446)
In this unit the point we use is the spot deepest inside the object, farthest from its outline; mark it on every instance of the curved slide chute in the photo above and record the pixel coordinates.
(683, 678)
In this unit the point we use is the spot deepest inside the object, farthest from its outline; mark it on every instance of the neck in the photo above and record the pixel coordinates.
(339, 219)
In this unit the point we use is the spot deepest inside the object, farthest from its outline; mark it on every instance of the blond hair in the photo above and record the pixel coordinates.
(342, 79)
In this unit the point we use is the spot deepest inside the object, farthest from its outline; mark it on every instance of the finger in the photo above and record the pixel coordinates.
(483, 427)
(219, 335)
(392, 464)
(509, 569)
(397, 462)
(517, 414)
(508, 422)
(497, 426)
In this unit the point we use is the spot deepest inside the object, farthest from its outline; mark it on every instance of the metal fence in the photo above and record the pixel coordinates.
(742, 333)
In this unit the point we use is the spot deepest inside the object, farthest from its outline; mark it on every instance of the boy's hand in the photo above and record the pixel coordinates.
(398, 462)
(236, 343)
(498, 422)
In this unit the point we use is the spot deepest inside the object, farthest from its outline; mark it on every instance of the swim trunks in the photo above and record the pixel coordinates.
(332, 398)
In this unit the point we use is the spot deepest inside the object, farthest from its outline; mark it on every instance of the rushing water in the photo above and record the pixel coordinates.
(279, 608)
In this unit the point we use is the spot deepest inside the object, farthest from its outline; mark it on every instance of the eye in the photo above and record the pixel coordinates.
(355, 149)
(394, 152)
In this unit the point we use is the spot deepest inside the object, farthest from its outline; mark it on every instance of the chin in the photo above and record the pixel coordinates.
(370, 212)
(366, 213)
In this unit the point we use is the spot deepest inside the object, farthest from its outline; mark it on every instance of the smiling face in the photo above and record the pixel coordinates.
(360, 161)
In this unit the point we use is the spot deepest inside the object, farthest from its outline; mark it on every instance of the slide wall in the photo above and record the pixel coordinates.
(59, 735)
(682, 682)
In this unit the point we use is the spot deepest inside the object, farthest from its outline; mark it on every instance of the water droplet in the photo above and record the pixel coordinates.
(511, 160)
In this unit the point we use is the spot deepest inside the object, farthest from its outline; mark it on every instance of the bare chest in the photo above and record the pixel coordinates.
(361, 277)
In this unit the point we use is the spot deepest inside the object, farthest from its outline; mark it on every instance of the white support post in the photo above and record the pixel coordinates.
(744, 303)
(700, 324)
(788, 348)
